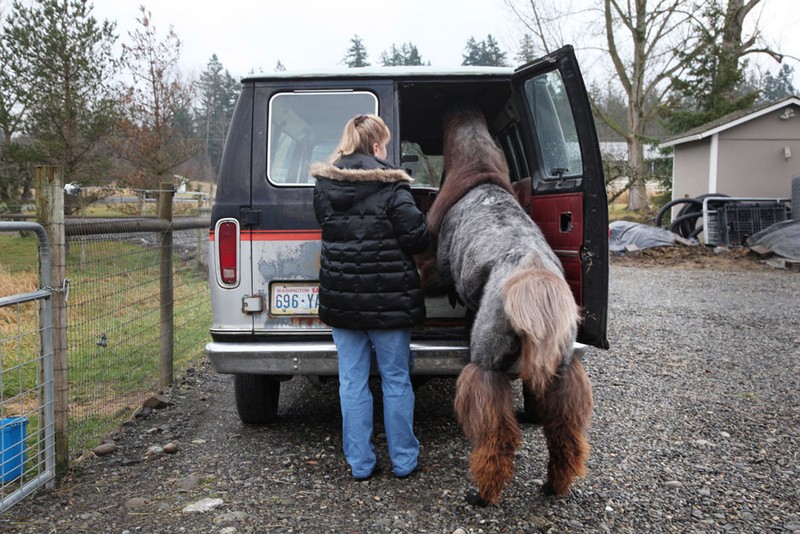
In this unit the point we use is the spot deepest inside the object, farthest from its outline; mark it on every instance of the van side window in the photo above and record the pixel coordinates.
(306, 127)
(560, 150)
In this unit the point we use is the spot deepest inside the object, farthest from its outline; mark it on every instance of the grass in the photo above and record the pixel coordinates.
(114, 294)
(618, 212)
(18, 254)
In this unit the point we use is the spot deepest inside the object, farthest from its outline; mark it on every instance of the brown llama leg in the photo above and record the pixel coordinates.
(566, 409)
(484, 407)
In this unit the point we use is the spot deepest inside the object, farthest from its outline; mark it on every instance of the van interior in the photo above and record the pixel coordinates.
(422, 106)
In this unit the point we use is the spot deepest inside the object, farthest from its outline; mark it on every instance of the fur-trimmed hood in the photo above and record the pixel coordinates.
(371, 227)
(359, 168)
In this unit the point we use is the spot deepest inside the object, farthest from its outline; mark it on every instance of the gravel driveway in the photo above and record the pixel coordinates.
(696, 429)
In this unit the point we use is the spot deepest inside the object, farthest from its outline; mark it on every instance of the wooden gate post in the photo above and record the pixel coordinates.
(50, 214)
(165, 368)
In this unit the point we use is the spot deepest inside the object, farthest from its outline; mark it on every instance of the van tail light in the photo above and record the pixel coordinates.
(227, 236)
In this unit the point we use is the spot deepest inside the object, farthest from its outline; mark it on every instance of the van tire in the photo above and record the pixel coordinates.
(256, 398)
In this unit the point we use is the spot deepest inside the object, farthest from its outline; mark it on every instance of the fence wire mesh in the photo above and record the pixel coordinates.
(113, 322)
(22, 434)
(26, 379)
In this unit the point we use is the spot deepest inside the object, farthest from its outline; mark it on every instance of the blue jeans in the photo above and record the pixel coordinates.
(392, 349)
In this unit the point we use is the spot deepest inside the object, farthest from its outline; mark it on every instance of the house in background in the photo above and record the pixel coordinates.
(752, 153)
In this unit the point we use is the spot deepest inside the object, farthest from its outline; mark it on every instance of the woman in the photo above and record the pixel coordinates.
(369, 288)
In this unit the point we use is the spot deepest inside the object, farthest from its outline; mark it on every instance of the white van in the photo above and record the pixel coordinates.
(265, 241)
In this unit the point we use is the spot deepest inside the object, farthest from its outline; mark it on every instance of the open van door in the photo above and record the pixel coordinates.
(568, 189)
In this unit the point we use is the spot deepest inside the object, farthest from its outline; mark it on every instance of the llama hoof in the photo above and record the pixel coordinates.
(475, 500)
(548, 489)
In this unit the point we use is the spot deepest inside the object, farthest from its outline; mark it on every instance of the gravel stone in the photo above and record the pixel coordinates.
(104, 449)
(696, 428)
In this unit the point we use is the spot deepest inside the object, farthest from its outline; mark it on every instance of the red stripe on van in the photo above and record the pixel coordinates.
(277, 235)
(285, 235)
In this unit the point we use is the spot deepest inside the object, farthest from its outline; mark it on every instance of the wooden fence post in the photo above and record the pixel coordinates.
(165, 368)
(201, 261)
(50, 214)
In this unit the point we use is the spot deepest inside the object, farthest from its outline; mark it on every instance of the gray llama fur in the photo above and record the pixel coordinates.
(485, 238)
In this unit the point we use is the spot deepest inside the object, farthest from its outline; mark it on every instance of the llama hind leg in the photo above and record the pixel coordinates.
(566, 409)
(492, 465)
(484, 407)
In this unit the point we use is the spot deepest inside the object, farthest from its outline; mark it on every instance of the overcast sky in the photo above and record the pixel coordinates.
(253, 35)
(308, 34)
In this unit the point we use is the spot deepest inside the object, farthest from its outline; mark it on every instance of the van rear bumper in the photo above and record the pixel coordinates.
(318, 358)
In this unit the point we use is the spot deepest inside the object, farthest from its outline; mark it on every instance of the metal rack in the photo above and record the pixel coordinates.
(731, 220)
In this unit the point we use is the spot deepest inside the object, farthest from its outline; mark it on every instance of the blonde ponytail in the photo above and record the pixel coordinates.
(359, 135)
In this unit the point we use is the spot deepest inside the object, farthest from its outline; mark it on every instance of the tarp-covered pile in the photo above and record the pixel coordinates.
(782, 239)
(626, 235)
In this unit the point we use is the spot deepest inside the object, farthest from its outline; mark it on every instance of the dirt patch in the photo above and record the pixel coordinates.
(699, 257)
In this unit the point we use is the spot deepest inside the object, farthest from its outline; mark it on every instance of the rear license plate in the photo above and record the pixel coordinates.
(294, 299)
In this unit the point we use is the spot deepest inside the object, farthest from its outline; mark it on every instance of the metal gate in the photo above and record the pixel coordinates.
(27, 447)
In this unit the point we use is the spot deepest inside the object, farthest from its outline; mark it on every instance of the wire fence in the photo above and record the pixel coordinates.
(27, 453)
(113, 303)
(113, 317)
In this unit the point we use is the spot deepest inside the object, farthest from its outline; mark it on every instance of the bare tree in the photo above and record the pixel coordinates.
(651, 44)
(645, 75)
(155, 136)
(640, 39)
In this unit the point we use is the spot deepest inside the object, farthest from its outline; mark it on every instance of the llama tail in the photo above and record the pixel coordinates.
(484, 406)
(541, 309)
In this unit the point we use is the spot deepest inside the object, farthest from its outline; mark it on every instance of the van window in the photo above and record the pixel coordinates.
(425, 169)
(306, 127)
(560, 150)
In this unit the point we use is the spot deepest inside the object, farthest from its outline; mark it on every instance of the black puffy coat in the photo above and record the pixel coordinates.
(370, 229)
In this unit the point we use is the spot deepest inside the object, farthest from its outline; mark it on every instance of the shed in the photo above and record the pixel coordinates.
(749, 153)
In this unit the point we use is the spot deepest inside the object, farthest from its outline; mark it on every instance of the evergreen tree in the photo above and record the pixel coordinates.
(356, 55)
(391, 58)
(474, 53)
(411, 54)
(527, 51)
(484, 53)
(778, 87)
(715, 82)
(494, 56)
(60, 60)
(407, 54)
(218, 94)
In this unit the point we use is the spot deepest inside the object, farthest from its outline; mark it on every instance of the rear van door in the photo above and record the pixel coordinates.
(295, 125)
(568, 195)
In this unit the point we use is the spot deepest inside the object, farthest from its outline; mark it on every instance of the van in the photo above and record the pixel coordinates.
(264, 241)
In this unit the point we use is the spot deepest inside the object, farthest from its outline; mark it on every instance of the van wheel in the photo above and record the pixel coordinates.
(256, 398)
